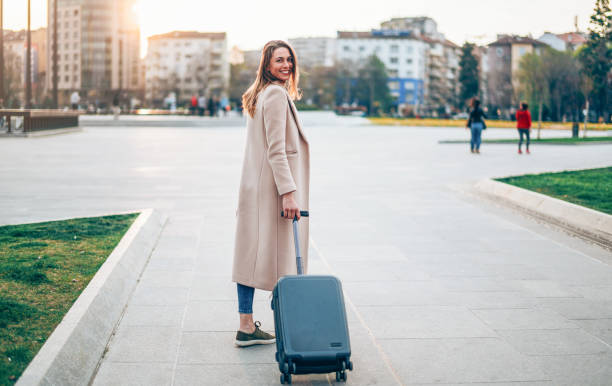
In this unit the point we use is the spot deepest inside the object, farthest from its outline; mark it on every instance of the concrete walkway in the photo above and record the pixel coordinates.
(441, 286)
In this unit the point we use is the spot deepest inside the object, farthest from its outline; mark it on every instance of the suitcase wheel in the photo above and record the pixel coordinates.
(350, 365)
(340, 376)
(286, 368)
(285, 378)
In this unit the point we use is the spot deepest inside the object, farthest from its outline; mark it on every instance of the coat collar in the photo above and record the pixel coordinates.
(295, 118)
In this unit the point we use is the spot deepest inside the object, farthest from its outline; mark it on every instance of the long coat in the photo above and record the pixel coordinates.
(276, 162)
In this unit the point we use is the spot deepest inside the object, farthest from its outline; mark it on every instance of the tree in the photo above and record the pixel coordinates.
(468, 73)
(532, 82)
(372, 88)
(318, 86)
(596, 56)
(241, 78)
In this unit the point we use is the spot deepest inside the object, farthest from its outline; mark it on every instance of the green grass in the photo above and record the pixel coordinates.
(44, 267)
(560, 141)
(591, 188)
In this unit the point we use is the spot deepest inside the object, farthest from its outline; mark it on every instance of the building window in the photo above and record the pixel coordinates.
(66, 35)
(393, 85)
(67, 78)
(76, 56)
(361, 48)
(75, 34)
(76, 46)
(346, 48)
(392, 73)
(394, 48)
(75, 78)
(393, 60)
(67, 67)
(67, 46)
(408, 61)
(76, 12)
(76, 67)
(522, 51)
(67, 57)
(409, 49)
(500, 52)
(67, 24)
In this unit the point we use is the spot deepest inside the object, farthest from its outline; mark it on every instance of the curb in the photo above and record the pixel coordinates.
(41, 133)
(71, 354)
(589, 223)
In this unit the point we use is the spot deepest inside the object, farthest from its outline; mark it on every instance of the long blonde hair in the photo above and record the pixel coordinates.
(264, 77)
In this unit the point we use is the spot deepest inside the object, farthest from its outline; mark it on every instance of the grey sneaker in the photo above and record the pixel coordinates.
(257, 337)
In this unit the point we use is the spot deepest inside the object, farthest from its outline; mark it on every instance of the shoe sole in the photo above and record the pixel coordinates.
(246, 343)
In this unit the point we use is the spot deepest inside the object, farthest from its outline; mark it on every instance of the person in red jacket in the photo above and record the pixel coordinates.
(523, 124)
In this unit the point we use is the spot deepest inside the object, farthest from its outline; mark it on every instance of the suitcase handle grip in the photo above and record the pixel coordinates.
(296, 240)
(303, 213)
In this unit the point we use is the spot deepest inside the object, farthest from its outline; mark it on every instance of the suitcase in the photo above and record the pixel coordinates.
(310, 323)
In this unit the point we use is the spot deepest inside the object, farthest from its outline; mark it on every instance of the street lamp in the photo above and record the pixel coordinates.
(28, 76)
(1, 55)
(54, 71)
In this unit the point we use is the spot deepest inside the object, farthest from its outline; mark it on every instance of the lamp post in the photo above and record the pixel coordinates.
(28, 76)
(1, 54)
(54, 56)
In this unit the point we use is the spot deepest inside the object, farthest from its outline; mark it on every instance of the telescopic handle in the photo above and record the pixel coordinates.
(296, 241)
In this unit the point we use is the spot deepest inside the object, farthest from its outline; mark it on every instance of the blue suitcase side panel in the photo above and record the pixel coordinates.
(310, 319)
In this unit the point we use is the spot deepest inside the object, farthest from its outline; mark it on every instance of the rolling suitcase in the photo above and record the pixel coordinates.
(310, 323)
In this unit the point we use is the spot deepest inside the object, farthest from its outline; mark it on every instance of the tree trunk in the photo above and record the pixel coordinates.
(539, 118)
(586, 117)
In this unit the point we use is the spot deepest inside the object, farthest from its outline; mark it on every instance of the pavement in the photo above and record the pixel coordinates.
(442, 287)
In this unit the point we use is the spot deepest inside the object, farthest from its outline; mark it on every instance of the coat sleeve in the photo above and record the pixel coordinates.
(275, 105)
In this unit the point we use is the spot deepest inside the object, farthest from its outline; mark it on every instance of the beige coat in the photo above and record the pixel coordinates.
(276, 162)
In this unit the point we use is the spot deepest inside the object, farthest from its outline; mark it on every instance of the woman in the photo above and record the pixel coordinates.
(275, 178)
(476, 124)
(523, 124)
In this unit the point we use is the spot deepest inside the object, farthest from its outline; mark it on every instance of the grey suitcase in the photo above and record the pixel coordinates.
(310, 323)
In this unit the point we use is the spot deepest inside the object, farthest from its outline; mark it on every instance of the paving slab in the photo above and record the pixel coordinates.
(441, 287)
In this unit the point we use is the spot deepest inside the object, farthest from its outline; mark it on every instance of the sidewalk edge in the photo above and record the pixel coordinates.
(72, 352)
(588, 223)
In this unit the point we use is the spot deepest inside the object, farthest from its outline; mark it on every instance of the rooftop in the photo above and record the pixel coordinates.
(189, 35)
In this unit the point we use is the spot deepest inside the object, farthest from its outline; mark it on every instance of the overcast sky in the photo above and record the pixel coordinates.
(251, 23)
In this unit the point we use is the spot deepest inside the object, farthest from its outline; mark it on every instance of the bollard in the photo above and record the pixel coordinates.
(575, 130)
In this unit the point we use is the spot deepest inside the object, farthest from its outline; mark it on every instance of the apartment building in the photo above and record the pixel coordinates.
(98, 49)
(186, 63)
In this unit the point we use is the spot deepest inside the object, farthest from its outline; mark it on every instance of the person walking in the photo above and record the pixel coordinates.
(275, 177)
(201, 105)
(523, 124)
(476, 124)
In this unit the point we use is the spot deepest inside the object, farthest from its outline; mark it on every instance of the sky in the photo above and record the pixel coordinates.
(251, 23)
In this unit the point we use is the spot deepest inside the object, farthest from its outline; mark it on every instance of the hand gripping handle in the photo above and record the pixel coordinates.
(296, 240)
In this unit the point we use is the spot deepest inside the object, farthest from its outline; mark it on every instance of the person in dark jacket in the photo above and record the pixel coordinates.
(523, 124)
(476, 124)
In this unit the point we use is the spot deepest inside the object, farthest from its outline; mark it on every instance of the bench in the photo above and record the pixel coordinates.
(38, 120)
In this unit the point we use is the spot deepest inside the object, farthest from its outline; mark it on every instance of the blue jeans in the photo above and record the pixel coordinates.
(245, 299)
(476, 130)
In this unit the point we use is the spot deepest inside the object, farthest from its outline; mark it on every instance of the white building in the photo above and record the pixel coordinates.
(418, 26)
(98, 48)
(314, 52)
(187, 63)
(403, 54)
(553, 41)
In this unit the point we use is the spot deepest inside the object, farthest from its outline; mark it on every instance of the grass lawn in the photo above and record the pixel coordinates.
(44, 267)
(435, 122)
(554, 141)
(591, 188)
